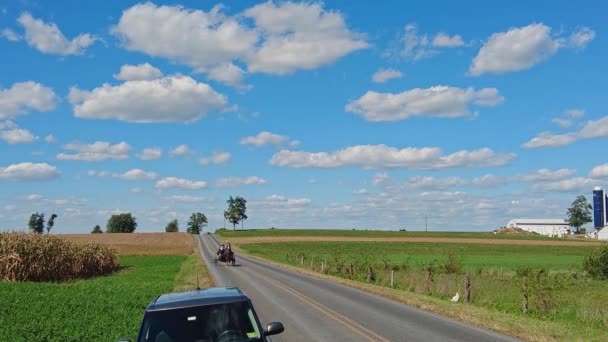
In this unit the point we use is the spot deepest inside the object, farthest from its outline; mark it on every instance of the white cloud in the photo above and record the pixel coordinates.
(179, 183)
(229, 74)
(437, 101)
(29, 172)
(600, 171)
(47, 38)
(286, 37)
(383, 75)
(152, 153)
(25, 96)
(17, 136)
(97, 151)
(181, 150)
(236, 181)
(418, 46)
(361, 191)
(278, 203)
(444, 40)
(488, 181)
(265, 138)
(570, 117)
(577, 184)
(174, 98)
(141, 72)
(381, 179)
(299, 36)
(591, 129)
(521, 48)
(186, 198)
(575, 113)
(581, 38)
(136, 174)
(135, 190)
(50, 139)
(10, 35)
(548, 139)
(563, 123)
(382, 156)
(420, 182)
(546, 175)
(218, 157)
(33, 197)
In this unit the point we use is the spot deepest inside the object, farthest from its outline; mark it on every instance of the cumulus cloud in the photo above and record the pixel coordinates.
(546, 175)
(580, 38)
(174, 98)
(50, 139)
(420, 182)
(488, 181)
(179, 183)
(284, 38)
(181, 150)
(17, 136)
(236, 181)
(382, 156)
(383, 75)
(23, 97)
(186, 199)
(600, 171)
(591, 129)
(136, 174)
(562, 122)
(29, 172)
(361, 191)
(279, 203)
(570, 116)
(575, 113)
(415, 46)
(47, 38)
(299, 36)
(141, 72)
(381, 179)
(10, 35)
(521, 48)
(576, 184)
(218, 157)
(152, 153)
(437, 101)
(265, 138)
(97, 151)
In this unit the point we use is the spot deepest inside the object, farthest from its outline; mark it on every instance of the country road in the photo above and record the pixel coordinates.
(314, 309)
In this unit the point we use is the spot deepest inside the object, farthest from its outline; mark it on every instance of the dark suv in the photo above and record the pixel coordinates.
(211, 315)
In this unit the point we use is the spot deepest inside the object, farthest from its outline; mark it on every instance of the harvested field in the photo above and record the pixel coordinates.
(275, 239)
(141, 243)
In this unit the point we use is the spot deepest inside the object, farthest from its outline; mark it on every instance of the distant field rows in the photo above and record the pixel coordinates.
(485, 241)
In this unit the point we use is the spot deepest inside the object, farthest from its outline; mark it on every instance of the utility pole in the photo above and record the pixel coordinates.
(426, 223)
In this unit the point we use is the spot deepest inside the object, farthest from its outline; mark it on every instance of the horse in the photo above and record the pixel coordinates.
(227, 257)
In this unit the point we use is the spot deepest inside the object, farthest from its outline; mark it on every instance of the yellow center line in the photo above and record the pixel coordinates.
(347, 322)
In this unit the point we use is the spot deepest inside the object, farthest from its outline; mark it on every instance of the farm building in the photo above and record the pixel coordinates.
(548, 227)
(602, 234)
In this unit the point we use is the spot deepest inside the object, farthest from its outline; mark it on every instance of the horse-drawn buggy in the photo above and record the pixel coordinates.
(225, 255)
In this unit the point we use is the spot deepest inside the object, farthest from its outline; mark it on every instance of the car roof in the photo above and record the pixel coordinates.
(201, 297)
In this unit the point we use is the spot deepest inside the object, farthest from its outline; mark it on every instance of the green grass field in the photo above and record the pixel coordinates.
(564, 295)
(376, 234)
(475, 256)
(100, 309)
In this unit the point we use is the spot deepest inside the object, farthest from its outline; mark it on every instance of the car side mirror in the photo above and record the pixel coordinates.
(274, 328)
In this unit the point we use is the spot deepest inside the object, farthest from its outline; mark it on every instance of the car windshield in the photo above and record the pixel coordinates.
(231, 322)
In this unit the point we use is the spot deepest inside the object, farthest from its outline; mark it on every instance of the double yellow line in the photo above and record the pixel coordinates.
(347, 322)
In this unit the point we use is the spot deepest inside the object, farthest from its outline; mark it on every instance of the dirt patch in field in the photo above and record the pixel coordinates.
(141, 243)
(275, 239)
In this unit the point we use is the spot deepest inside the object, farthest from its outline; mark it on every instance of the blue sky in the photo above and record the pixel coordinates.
(336, 114)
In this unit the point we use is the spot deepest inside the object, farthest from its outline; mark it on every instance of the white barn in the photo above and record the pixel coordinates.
(548, 227)
(603, 234)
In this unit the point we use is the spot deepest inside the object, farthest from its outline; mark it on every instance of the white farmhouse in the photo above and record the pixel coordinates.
(548, 227)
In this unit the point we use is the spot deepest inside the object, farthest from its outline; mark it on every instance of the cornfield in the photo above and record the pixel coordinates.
(45, 258)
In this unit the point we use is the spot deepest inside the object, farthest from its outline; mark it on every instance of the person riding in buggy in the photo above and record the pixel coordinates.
(225, 255)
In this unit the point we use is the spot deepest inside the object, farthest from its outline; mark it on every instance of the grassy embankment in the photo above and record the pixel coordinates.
(104, 308)
(563, 303)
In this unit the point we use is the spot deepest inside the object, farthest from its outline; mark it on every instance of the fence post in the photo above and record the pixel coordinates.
(370, 274)
(525, 293)
(392, 278)
(427, 280)
(467, 288)
(302, 259)
(351, 270)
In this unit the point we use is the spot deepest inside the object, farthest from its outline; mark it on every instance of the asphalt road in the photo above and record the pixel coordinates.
(313, 309)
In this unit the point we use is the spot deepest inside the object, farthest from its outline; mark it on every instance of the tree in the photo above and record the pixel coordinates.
(50, 223)
(232, 213)
(241, 205)
(121, 223)
(172, 227)
(579, 213)
(97, 230)
(198, 222)
(36, 223)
